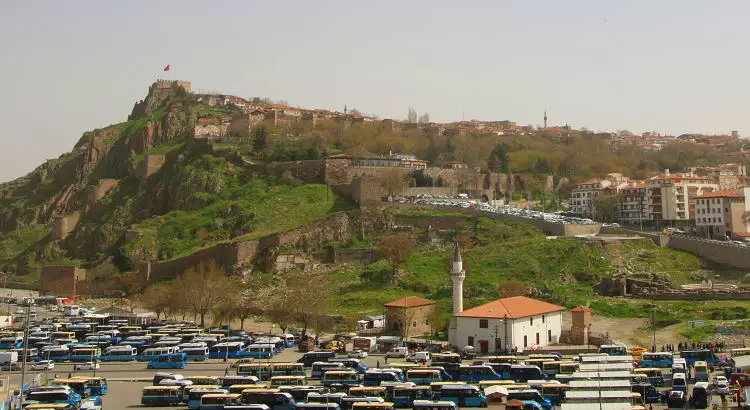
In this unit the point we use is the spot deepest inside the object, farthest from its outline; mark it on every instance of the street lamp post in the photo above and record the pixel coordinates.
(25, 348)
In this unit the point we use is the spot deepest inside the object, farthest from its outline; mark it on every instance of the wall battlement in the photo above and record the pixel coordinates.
(166, 84)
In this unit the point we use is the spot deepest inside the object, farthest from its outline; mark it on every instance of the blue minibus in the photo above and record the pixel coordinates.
(374, 377)
(225, 350)
(258, 350)
(476, 373)
(272, 398)
(464, 395)
(405, 396)
(195, 395)
(120, 354)
(169, 361)
(523, 373)
(657, 359)
(423, 377)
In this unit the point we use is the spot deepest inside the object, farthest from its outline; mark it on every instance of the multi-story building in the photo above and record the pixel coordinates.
(633, 203)
(723, 214)
(671, 198)
(583, 196)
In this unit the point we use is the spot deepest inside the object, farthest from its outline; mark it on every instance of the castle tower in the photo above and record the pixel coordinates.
(458, 274)
(545, 118)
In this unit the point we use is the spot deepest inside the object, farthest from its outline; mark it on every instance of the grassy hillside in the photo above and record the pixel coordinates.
(241, 210)
(562, 270)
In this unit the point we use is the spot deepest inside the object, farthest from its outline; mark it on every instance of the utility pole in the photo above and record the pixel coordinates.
(25, 348)
(496, 332)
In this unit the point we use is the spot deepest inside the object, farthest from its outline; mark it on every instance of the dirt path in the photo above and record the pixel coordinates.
(630, 331)
(619, 329)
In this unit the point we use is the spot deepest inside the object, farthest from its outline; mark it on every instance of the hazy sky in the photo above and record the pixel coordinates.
(672, 66)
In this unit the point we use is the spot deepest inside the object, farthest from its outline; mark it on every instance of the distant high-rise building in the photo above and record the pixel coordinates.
(545, 118)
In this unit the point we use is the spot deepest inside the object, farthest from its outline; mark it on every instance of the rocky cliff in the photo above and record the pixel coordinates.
(64, 185)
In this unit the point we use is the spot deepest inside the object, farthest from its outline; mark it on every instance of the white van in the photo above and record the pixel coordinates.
(418, 357)
(397, 352)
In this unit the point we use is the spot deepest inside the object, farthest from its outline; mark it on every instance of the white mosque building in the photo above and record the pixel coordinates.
(505, 324)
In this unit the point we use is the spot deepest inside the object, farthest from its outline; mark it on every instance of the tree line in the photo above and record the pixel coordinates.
(292, 298)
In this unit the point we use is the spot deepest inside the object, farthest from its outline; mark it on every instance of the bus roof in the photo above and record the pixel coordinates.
(71, 380)
(162, 388)
(47, 406)
(604, 394)
(364, 404)
(255, 390)
(367, 388)
(596, 406)
(289, 377)
(222, 395)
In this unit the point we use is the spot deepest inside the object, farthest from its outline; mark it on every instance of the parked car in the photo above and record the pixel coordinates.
(43, 365)
(358, 354)
(11, 366)
(721, 384)
(397, 352)
(418, 357)
(236, 363)
(86, 366)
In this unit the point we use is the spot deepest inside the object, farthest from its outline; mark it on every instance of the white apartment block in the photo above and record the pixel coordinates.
(671, 198)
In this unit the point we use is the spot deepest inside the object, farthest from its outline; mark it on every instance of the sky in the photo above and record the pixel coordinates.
(671, 66)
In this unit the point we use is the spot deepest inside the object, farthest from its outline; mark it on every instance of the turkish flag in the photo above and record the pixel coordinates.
(167, 67)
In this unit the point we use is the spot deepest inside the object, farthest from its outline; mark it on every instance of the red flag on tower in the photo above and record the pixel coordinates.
(167, 67)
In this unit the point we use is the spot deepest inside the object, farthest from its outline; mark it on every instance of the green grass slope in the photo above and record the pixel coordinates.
(563, 271)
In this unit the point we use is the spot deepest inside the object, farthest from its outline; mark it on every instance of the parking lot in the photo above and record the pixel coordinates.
(126, 380)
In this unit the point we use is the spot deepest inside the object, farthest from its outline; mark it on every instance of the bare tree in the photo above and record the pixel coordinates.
(393, 181)
(298, 297)
(157, 299)
(396, 249)
(204, 287)
(512, 287)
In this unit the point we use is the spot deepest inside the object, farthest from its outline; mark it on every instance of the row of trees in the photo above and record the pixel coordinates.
(205, 291)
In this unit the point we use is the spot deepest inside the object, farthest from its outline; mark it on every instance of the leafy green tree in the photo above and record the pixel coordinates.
(499, 158)
(260, 139)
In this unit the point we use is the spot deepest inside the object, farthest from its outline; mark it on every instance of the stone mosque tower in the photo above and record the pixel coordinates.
(458, 274)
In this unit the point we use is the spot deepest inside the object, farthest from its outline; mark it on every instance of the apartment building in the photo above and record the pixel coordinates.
(670, 199)
(633, 203)
(583, 196)
(722, 214)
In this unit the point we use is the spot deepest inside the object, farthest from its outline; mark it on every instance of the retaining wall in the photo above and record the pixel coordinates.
(551, 228)
(696, 296)
(433, 222)
(726, 253)
(240, 257)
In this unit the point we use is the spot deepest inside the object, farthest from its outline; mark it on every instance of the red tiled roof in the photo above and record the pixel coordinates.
(590, 181)
(513, 307)
(581, 309)
(410, 301)
(725, 193)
